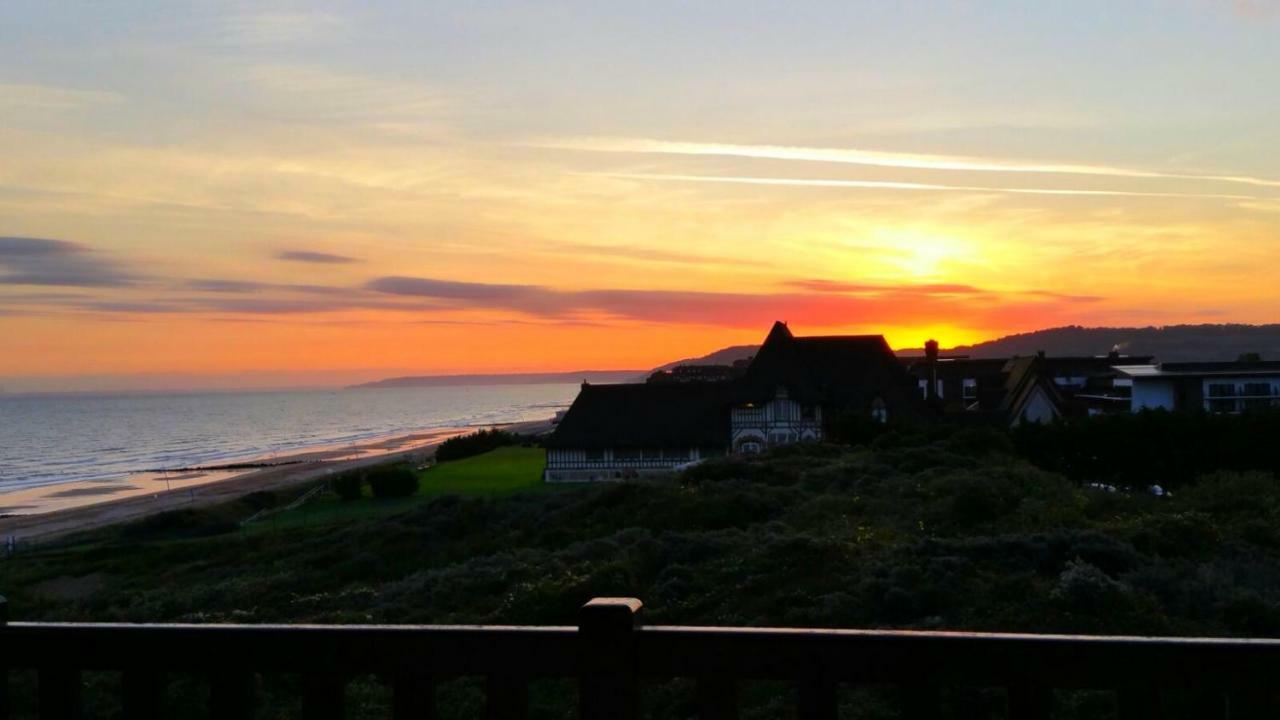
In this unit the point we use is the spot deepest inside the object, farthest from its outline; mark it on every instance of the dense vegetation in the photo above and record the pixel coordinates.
(941, 530)
(481, 441)
(1170, 449)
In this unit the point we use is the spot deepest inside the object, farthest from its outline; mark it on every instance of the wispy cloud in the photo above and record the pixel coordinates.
(651, 255)
(877, 158)
(310, 256)
(40, 261)
(911, 186)
(826, 304)
(48, 97)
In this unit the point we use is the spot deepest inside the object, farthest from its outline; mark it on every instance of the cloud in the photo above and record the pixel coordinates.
(38, 261)
(311, 256)
(831, 304)
(877, 158)
(888, 185)
(933, 289)
(650, 255)
(836, 286)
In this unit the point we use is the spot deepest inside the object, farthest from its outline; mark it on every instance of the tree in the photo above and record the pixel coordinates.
(349, 486)
(393, 481)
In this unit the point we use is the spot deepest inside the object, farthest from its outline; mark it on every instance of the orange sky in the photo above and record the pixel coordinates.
(257, 195)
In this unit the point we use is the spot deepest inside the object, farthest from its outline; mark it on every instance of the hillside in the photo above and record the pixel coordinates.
(1173, 343)
(723, 356)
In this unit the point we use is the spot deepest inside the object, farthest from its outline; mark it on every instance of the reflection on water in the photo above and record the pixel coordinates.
(48, 439)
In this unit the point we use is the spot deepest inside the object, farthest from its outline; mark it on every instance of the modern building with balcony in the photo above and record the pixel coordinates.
(1216, 387)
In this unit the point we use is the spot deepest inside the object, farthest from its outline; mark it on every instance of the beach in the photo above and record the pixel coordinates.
(48, 512)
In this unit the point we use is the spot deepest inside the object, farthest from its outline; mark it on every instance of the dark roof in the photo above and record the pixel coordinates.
(841, 370)
(652, 415)
(1023, 376)
(1090, 365)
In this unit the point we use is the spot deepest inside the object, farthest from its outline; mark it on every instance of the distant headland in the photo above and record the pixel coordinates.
(577, 376)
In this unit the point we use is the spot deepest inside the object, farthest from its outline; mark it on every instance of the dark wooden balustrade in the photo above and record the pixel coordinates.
(612, 655)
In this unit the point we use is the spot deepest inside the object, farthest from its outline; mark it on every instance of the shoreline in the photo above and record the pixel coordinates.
(90, 505)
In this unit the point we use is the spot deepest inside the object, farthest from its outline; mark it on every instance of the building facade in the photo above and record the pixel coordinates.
(1217, 387)
(785, 395)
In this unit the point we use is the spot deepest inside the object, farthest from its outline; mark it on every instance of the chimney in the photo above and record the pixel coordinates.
(1115, 353)
(931, 357)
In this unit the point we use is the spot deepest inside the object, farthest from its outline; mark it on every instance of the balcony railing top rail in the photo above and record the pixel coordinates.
(611, 655)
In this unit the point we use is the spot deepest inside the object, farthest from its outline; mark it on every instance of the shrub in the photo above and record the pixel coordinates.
(476, 443)
(1085, 588)
(393, 481)
(349, 486)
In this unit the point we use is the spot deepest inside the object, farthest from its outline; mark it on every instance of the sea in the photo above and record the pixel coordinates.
(57, 438)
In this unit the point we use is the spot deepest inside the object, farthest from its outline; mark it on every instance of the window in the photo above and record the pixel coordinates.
(970, 389)
(939, 389)
(595, 455)
(1257, 394)
(808, 412)
(1222, 397)
(651, 454)
(675, 454)
(924, 389)
(626, 454)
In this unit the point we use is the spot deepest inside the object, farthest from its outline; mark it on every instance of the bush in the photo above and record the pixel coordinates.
(476, 443)
(393, 481)
(349, 486)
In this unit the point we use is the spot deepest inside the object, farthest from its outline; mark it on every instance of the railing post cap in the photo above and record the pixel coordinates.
(615, 604)
(609, 613)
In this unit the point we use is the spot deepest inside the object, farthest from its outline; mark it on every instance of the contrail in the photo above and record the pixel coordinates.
(876, 158)
(887, 185)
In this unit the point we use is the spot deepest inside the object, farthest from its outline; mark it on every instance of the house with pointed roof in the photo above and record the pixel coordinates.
(789, 393)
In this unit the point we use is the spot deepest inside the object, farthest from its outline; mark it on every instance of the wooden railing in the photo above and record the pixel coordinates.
(611, 656)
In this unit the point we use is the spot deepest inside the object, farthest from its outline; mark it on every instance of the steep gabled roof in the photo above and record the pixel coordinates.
(848, 370)
(1023, 376)
(647, 415)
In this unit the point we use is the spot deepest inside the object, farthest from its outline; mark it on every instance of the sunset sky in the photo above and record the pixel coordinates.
(213, 194)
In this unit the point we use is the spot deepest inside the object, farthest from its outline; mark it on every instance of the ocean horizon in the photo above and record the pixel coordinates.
(53, 438)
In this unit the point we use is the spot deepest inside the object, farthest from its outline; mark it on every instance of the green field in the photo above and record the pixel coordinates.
(498, 472)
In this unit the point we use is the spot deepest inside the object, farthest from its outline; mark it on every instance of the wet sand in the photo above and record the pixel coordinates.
(48, 512)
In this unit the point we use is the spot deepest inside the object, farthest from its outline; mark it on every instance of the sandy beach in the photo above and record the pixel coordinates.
(45, 513)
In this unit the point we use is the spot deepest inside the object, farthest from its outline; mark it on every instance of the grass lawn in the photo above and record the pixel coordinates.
(498, 472)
